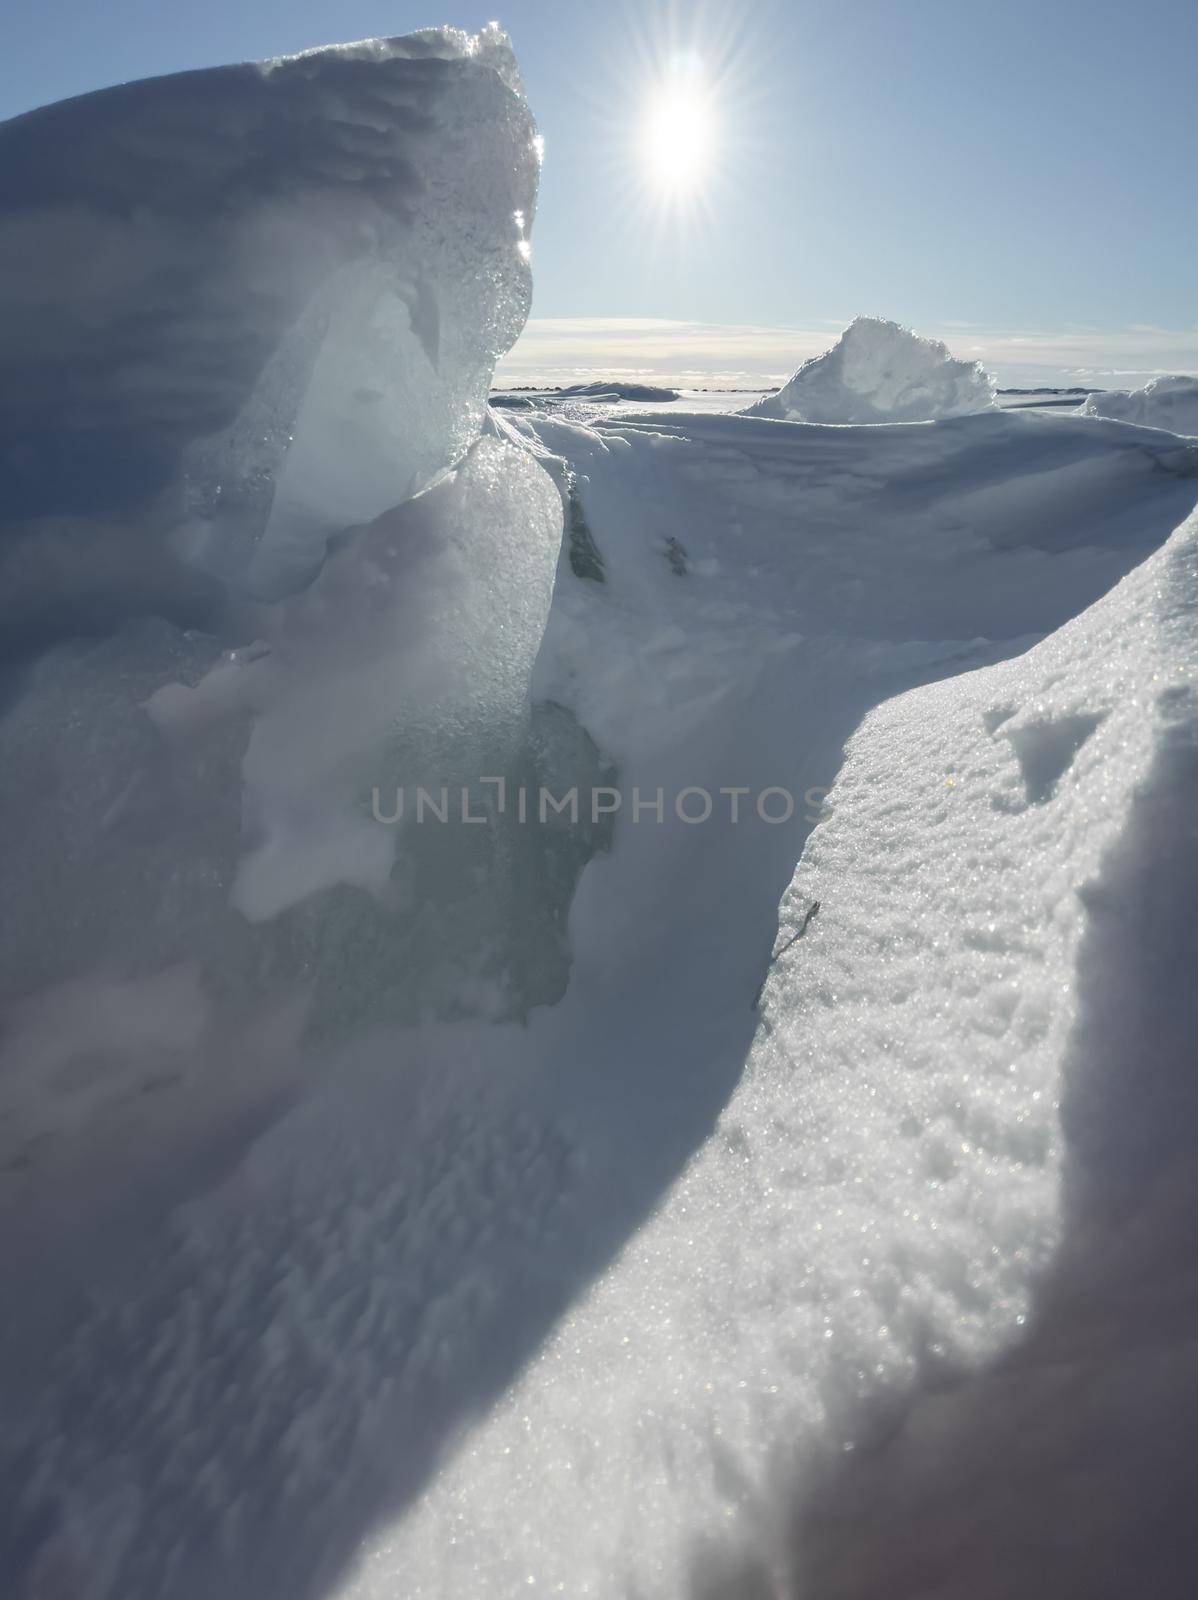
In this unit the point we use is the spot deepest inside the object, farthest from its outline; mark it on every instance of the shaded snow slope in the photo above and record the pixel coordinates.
(248, 307)
(1170, 403)
(878, 371)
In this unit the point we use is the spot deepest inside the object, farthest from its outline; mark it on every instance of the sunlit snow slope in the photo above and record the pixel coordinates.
(472, 1208)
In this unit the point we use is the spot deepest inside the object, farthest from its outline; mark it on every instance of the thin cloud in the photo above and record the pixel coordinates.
(568, 349)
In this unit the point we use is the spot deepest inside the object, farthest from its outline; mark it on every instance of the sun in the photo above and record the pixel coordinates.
(671, 114)
(678, 136)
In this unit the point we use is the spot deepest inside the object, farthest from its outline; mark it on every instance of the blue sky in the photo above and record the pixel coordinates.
(1017, 177)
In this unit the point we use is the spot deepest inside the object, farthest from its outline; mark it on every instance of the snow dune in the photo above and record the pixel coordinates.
(450, 1209)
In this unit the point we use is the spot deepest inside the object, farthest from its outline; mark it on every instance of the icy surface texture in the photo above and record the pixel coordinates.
(170, 801)
(391, 647)
(247, 308)
(878, 371)
(1170, 403)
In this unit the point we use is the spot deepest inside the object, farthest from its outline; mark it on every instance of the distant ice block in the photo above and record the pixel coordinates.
(880, 372)
(1170, 403)
(247, 308)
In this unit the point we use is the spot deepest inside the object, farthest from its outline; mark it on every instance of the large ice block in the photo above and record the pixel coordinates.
(878, 371)
(246, 308)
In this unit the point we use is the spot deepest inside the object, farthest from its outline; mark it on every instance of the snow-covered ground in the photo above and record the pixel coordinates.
(770, 1179)
(715, 401)
(617, 396)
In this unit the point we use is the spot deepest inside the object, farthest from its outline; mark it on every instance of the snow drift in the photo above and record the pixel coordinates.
(880, 372)
(882, 1192)
(1170, 403)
